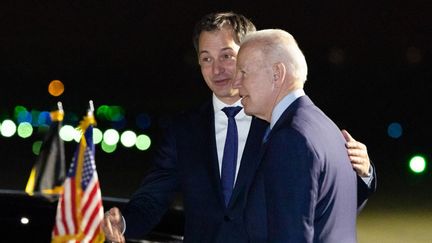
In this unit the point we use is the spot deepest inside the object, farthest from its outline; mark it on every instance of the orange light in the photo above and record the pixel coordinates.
(56, 88)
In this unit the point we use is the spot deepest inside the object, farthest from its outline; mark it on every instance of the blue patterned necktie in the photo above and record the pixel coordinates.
(229, 159)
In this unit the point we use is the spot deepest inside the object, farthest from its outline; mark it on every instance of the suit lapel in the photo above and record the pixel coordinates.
(210, 154)
(249, 158)
(286, 115)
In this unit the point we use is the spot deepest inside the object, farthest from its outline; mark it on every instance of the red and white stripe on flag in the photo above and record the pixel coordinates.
(80, 209)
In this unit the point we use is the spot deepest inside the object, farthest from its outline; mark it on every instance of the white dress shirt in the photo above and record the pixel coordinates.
(243, 122)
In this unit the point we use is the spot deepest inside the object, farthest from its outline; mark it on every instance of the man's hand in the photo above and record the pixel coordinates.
(112, 225)
(358, 155)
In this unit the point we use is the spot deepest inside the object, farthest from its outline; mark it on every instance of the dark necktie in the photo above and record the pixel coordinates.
(229, 159)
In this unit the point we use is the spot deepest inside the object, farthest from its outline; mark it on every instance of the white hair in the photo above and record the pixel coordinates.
(280, 46)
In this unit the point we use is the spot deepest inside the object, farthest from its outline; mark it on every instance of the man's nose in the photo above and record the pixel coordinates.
(218, 67)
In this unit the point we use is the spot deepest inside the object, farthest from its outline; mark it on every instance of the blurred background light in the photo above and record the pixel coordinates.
(111, 137)
(44, 118)
(68, 133)
(417, 164)
(108, 148)
(23, 116)
(8, 128)
(128, 138)
(394, 130)
(97, 135)
(25, 129)
(24, 220)
(55, 88)
(36, 147)
(143, 142)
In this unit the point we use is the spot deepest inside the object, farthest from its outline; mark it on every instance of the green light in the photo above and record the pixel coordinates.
(8, 128)
(108, 148)
(111, 137)
(143, 142)
(116, 113)
(36, 147)
(68, 133)
(128, 138)
(25, 130)
(102, 112)
(19, 109)
(417, 164)
(97, 135)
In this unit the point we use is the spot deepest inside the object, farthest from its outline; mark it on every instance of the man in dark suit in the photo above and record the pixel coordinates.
(308, 187)
(190, 157)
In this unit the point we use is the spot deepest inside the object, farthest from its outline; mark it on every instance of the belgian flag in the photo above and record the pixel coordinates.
(49, 172)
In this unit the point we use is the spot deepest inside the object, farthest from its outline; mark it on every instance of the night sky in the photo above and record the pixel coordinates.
(369, 65)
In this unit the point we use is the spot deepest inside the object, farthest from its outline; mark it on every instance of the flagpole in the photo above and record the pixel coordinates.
(91, 107)
(60, 106)
(80, 209)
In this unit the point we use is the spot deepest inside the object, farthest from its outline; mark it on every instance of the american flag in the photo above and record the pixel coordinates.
(79, 209)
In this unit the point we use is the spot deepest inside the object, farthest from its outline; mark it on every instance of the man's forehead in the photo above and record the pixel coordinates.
(249, 56)
(212, 43)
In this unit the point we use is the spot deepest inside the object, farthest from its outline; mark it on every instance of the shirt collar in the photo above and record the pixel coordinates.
(218, 105)
(283, 105)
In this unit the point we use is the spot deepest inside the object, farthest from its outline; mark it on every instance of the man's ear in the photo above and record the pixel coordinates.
(279, 72)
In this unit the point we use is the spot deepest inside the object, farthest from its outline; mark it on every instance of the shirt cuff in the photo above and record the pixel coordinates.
(366, 179)
(124, 225)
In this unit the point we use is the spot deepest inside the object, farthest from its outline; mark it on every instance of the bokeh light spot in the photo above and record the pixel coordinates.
(111, 137)
(108, 148)
(8, 128)
(68, 133)
(37, 147)
(102, 112)
(143, 142)
(128, 138)
(25, 130)
(394, 130)
(55, 88)
(116, 113)
(24, 220)
(44, 118)
(97, 135)
(417, 164)
(23, 116)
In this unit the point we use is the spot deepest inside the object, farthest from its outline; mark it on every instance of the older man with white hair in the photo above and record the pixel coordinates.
(304, 179)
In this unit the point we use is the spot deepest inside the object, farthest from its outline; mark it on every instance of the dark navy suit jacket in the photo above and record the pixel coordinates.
(305, 181)
(186, 162)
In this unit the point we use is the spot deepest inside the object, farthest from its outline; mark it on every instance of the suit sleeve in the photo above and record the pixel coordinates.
(364, 190)
(157, 191)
